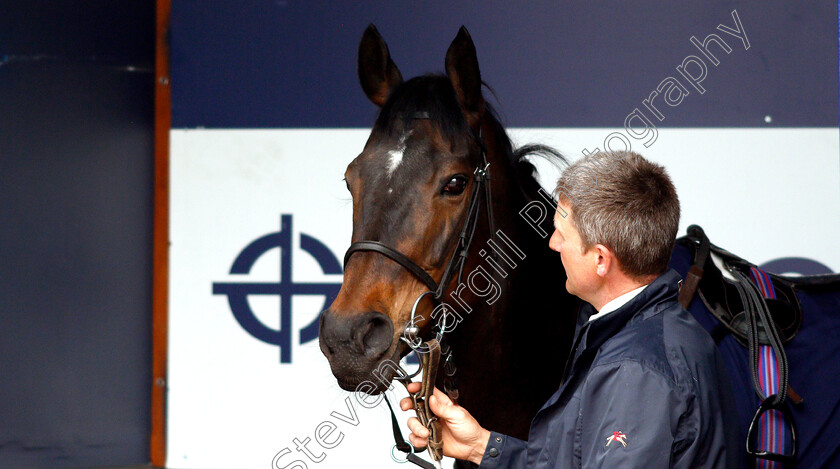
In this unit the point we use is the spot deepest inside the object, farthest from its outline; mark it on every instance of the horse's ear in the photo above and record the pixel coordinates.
(378, 74)
(462, 69)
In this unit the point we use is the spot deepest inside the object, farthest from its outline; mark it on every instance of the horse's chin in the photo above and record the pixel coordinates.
(369, 387)
(378, 379)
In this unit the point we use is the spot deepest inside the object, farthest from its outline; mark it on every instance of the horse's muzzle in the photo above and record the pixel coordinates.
(355, 344)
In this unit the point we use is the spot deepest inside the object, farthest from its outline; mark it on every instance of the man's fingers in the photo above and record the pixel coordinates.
(417, 441)
(414, 387)
(442, 397)
(417, 428)
(406, 404)
(441, 405)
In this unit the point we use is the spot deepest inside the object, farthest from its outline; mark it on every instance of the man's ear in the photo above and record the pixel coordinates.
(606, 260)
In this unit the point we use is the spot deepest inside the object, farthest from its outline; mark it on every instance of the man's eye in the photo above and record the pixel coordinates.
(455, 186)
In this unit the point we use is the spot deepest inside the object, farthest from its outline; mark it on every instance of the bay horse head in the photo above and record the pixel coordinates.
(412, 186)
(425, 211)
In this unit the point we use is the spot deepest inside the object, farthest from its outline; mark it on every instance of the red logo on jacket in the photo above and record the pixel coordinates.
(617, 436)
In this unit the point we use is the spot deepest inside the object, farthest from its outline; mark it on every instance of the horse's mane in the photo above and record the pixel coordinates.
(434, 97)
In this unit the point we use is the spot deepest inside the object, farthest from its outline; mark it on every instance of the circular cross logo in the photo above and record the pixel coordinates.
(286, 288)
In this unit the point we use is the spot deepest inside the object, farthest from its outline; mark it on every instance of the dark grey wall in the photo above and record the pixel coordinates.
(76, 161)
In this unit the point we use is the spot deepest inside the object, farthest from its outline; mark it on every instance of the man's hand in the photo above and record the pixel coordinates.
(463, 437)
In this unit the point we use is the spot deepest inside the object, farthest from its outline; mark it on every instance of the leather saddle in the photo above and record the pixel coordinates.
(711, 280)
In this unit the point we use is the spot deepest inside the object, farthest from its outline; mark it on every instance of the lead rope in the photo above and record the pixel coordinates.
(429, 363)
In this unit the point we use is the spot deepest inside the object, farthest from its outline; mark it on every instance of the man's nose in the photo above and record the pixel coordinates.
(554, 241)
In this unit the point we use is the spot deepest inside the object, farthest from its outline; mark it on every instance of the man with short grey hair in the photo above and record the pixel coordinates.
(643, 385)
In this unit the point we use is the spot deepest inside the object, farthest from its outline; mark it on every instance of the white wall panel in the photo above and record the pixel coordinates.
(761, 193)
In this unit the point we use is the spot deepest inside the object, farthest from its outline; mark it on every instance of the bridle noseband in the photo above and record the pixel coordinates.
(430, 351)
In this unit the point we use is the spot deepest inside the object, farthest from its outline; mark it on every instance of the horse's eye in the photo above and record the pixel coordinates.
(455, 185)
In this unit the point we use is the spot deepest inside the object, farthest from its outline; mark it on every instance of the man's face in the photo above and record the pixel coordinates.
(580, 266)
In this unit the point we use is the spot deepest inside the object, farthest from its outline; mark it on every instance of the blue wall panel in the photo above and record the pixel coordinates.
(288, 63)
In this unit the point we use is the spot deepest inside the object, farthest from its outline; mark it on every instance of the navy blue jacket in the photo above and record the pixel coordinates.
(644, 387)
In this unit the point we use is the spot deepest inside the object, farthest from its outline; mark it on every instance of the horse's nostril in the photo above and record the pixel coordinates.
(378, 337)
(327, 333)
(373, 334)
(368, 334)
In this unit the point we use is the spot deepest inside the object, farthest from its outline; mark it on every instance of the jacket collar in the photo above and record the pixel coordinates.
(590, 335)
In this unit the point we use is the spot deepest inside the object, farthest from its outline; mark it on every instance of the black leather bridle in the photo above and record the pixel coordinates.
(432, 351)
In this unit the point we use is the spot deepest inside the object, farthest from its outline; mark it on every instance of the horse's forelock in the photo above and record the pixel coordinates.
(428, 97)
